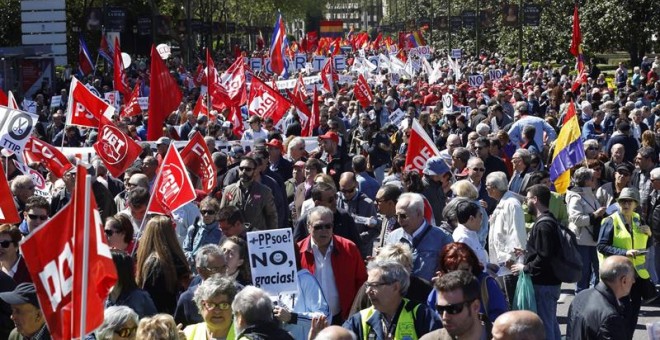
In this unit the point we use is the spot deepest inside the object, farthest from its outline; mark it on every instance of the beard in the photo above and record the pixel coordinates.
(532, 210)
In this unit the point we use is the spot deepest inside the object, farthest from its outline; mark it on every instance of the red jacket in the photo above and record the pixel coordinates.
(347, 266)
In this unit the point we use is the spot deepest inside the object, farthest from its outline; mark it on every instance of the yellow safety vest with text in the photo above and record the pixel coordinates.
(405, 325)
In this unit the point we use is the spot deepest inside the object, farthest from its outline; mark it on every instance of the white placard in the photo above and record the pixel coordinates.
(273, 261)
(495, 74)
(476, 80)
(15, 129)
(456, 53)
(397, 116)
(55, 101)
(144, 103)
(447, 104)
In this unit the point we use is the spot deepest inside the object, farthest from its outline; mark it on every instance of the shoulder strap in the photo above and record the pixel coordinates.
(484, 295)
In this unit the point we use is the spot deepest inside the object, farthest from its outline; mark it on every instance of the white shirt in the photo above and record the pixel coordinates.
(325, 276)
(471, 239)
(507, 230)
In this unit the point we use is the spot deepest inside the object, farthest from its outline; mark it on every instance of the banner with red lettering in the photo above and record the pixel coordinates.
(363, 92)
(38, 151)
(85, 108)
(132, 107)
(420, 148)
(266, 102)
(57, 270)
(197, 157)
(173, 187)
(8, 211)
(115, 148)
(234, 82)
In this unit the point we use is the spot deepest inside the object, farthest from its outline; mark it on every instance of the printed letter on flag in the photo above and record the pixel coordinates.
(116, 150)
(132, 107)
(363, 92)
(266, 102)
(38, 151)
(173, 187)
(197, 157)
(420, 148)
(84, 108)
(233, 80)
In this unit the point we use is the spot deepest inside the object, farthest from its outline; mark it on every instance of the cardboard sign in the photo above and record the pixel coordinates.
(456, 53)
(55, 101)
(476, 80)
(273, 261)
(495, 74)
(447, 104)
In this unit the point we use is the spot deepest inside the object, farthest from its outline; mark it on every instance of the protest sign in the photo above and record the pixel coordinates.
(273, 261)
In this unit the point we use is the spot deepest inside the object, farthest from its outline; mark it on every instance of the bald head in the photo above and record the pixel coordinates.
(347, 178)
(335, 333)
(618, 273)
(519, 324)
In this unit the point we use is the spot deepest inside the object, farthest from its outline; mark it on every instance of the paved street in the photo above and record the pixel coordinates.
(648, 314)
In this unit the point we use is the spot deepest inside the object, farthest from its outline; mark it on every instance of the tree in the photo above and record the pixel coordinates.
(10, 23)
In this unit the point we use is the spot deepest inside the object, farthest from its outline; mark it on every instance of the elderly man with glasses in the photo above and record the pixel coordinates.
(391, 316)
(334, 261)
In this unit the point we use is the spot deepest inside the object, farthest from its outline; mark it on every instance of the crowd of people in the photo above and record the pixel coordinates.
(382, 251)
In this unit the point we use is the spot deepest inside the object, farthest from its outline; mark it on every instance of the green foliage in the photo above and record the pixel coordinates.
(10, 23)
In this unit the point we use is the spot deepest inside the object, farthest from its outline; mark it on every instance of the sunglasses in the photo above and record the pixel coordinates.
(207, 212)
(401, 216)
(348, 191)
(222, 305)
(479, 169)
(41, 217)
(110, 232)
(245, 168)
(323, 226)
(6, 243)
(126, 332)
(453, 308)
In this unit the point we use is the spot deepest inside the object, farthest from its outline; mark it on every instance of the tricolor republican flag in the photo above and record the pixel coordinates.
(278, 44)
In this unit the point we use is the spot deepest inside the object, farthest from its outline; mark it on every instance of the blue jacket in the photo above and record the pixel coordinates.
(426, 248)
(198, 235)
(138, 299)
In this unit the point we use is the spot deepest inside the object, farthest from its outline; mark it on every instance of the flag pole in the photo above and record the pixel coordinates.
(85, 260)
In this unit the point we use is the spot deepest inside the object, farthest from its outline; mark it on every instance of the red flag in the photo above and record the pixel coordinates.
(121, 83)
(8, 211)
(173, 187)
(303, 113)
(315, 114)
(200, 107)
(132, 107)
(51, 157)
(211, 73)
(312, 41)
(278, 44)
(197, 157)
(420, 148)
(200, 76)
(376, 43)
(58, 269)
(11, 101)
(329, 76)
(4, 101)
(300, 90)
(576, 40)
(165, 96)
(266, 102)
(362, 92)
(85, 108)
(115, 148)
(336, 46)
(260, 41)
(233, 80)
(236, 120)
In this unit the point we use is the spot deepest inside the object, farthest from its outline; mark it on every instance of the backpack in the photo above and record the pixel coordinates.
(567, 265)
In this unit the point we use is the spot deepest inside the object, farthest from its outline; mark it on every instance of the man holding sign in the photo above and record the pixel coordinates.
(335, 262)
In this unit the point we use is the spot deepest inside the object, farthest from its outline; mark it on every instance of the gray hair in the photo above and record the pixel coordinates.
(141, 180)
(524, 155)
(392, 271)
(205, 252)
(589, 143)
(462, 153)
(615, 271)
(582, 175)
(412, 201)
(113, 318)
(498, 181)
(319, 210)
(655, 173)
(254, 305)
(399, 252)
(297, 141)
(20, 181)
(212, 287)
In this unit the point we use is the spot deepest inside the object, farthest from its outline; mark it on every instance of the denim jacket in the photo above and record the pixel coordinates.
(428, 246)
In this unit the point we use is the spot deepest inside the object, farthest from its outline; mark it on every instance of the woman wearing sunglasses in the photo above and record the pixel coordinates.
(11, 262)
(204, 231)
(119, 322)
(119, 232)
(213, 299)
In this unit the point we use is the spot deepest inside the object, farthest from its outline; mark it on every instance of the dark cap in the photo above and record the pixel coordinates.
(23, 293)
(624, 169)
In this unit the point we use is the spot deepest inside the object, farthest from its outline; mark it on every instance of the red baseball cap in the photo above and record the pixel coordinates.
(275, 143)
(330, 135)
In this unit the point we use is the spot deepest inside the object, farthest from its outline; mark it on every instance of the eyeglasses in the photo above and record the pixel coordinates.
(245, 168)
(110, 232)
(375, 285)
(125, 332)
(349, 191)
(479, 147)
(6, 243)
(323, 226)
(592, 149)
(216, 269)
(401, 216)
(221, 305)
(479, 169)
(453, 308)
(624, 201)
(207, 212)
(130, 185)
(41, 217)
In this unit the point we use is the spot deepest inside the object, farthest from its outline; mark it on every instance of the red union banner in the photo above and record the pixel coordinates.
(8, 211)
(84, 107)
(53, 159)
(116, 150)
(57, 270)
(233, 80)
(266, 102)
(420, 148)
(363, 92)
(173, 187)
(197, 157)
(132, 107)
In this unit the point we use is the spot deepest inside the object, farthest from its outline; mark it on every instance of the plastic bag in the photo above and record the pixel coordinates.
(524, 298)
